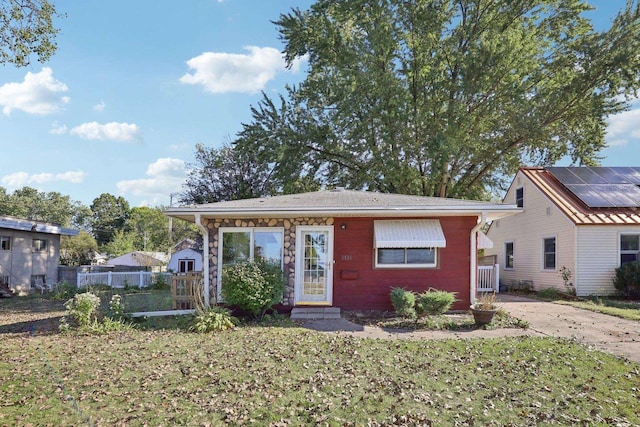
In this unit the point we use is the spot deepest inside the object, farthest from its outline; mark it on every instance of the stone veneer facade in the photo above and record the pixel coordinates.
(289, 251)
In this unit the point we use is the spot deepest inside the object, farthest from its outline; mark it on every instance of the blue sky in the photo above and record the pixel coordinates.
(135, 85)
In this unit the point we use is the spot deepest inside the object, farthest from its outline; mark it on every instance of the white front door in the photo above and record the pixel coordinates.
(314, 265)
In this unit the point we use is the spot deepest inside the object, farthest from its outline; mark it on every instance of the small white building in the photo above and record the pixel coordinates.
(185, 260)
(581, 219)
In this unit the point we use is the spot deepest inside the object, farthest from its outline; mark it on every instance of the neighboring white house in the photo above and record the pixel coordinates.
(153, 261)
(584, 219)
(29, 253)
(185, 260)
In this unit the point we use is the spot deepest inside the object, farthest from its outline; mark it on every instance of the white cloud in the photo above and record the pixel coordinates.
(58, 129)
(164, 177)
(15, 180)
(220, 72)
(40, 178)
(21, 179)
(38, 93)
(99, 107)
(109, 131)
(297, 63)
(623, 128)
(74, 177)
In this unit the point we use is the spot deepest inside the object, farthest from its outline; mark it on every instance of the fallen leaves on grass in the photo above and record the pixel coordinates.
(290, 376)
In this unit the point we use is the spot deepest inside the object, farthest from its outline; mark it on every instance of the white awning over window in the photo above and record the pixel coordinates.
(414, 233)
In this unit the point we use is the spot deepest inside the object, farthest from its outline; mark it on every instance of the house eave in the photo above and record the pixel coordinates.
(492, 212)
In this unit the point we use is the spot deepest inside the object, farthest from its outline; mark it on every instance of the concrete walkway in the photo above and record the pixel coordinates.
(608, 333)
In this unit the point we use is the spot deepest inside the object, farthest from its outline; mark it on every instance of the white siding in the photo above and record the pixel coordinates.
(598, 257)
(540, 219)
(187, 253)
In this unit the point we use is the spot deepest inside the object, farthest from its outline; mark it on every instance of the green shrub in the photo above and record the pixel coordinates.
(159, 283)
(82, 308)
(214, 319)
(549, 294)
(63, 291)
(403, 302)
(107, 325)
(627, 279)
(434, 302)
(253, 286)
(116, 307)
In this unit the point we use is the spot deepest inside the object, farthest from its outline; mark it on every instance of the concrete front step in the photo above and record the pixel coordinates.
(315, 313)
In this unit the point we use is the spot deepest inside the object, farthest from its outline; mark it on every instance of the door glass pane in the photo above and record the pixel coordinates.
(421, 256)
(314, 264)
(236, 247)
(267, 246)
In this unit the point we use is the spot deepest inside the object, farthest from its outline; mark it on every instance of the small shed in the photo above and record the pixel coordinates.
(185, 260)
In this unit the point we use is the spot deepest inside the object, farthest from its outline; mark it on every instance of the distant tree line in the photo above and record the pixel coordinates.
(109, 225)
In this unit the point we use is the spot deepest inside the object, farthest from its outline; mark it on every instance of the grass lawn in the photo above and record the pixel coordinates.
(283, 375)
(629, 310)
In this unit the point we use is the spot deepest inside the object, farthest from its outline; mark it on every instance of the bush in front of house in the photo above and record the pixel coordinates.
(627, 279)
(252, 286)
(403, 302)
(434, 302)
(213, 319)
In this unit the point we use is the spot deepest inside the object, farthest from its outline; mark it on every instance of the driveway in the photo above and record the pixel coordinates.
(617, 336)
(607, 333)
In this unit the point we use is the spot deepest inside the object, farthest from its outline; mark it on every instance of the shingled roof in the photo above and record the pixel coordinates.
(341, 202)
(573, 207)
(13, 223)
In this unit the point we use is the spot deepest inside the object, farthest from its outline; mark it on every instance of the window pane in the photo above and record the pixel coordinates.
(391, 256)
(550, 245)
(267, 246)
(550, 260)
(39, 245)
(236, 247)
(5, 243)
(421, 256)
(520, 197)
(550, 253)
(629, 242)
(628, 258)
(508, 254)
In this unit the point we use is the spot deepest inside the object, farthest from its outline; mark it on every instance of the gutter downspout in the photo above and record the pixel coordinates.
(205, 256)
(482, 220)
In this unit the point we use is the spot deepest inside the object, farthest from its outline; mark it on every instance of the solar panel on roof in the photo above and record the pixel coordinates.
(623, 195)
(601, 187)
(588, 176)
(607, 195)
(565, 176)
(634, 176)
(611, 176)
(589, 196)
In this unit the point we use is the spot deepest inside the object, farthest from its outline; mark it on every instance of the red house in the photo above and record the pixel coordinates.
(347, 249)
